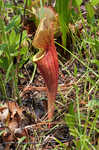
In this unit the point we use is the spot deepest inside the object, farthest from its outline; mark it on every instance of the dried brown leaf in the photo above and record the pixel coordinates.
(13, 124)
(4, 113)
(15, 109)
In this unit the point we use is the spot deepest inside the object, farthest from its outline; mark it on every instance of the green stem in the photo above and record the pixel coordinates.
(2, 87)
(33, 74)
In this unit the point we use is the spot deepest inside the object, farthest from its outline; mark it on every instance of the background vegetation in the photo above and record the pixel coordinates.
(77, 44)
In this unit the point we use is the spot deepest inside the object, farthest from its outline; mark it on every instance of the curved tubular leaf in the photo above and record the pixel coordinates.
(47, 60)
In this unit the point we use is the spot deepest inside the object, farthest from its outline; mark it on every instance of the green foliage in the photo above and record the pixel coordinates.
(83, 120)
(66, 11)
(13, 23)
(90, 10)
(62, 7)
(93, 103)
(78, 2)
(94, 2)
(20, 141)
(10, 34)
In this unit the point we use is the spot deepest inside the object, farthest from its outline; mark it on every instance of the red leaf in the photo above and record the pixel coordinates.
(48, 66)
